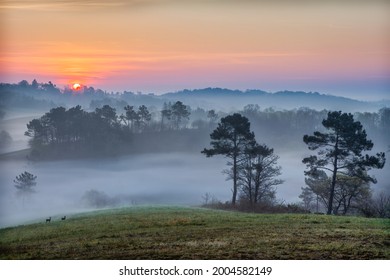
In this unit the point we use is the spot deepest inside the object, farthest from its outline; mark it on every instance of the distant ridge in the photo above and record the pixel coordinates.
(48, 95)
(279, 100)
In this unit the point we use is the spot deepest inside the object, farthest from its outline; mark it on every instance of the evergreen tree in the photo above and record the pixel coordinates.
(180, 113)
(24, 183)
(340, 151)
(231, 138)
(144, 117)
(166, 113)
(131, 116)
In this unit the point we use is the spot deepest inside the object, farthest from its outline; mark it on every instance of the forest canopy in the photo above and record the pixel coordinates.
(107, 131)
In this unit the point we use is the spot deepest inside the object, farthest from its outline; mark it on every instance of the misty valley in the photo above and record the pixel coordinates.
(91, 150)
(194, 130)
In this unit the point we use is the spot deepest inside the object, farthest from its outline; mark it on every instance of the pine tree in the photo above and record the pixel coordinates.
(340, 151)
(230, 138)
(24, 183)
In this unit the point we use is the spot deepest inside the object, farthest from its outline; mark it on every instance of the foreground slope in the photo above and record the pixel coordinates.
(192, 233)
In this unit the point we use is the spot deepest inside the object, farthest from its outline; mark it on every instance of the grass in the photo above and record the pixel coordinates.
(194, 233)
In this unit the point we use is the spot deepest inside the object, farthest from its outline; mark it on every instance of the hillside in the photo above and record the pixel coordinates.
(226, 98)
(44, 96)
(193, 233)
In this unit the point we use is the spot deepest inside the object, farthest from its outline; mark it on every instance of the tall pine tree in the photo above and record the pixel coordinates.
(231, 138)
(340, 151)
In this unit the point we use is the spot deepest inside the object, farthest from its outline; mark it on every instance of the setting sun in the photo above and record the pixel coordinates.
(76, 86)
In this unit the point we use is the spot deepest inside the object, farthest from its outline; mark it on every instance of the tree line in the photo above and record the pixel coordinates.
(71, 132)
(292, 124)
(74, 127)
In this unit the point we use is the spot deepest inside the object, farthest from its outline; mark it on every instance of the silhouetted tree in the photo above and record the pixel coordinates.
(340, 151)
(384, 123)
(34, 84)
(23, 84)
(131, 116)
(349, 193)
(231, 138)
(144, 117)
(212, 116)
(381, 205)
(257, 173)
(166, 113)
(50, 88)
(24, 184)
(308, 198)
(77, 124)
(179, 114)
(107, 114)
(319, 185)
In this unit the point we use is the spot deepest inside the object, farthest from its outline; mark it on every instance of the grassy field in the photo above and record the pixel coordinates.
(194, 233)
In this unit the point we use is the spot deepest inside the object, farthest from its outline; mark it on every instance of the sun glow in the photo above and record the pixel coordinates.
(76, 86)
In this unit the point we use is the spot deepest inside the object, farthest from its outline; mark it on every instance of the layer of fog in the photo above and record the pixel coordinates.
(130, 180)
(147, 179)
(15, 124)
(174, 178)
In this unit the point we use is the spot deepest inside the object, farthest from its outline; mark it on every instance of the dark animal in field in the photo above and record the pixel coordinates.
(48, 220)
(63, 218)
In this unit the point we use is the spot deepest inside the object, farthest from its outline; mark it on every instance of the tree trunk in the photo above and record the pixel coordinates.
(334, 178)
(234, 180)
(332, 187)
(251, 199)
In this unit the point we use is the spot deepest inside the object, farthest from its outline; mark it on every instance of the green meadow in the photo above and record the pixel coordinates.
(196, 233)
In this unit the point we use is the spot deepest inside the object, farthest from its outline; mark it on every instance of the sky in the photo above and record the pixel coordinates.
(338, 47)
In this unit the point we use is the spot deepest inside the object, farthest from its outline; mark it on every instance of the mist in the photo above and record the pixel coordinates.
(168, 169)
(172, 178)
(148, 179)
(133, 180)
(160, 178)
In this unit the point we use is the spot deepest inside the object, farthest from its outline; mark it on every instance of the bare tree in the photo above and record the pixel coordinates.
(258, 174)
(349, 192)
(208, 199)
(382, 205)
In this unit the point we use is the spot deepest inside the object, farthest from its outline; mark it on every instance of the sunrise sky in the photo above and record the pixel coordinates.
(340, 48)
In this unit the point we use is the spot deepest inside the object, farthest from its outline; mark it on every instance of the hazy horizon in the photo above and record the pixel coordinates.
(338, 48)
(366, 96)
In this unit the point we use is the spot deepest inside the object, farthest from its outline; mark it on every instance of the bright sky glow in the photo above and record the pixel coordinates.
(340, 48)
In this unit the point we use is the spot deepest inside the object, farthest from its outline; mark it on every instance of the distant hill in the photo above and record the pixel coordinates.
(227, 98)
(47, 95)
